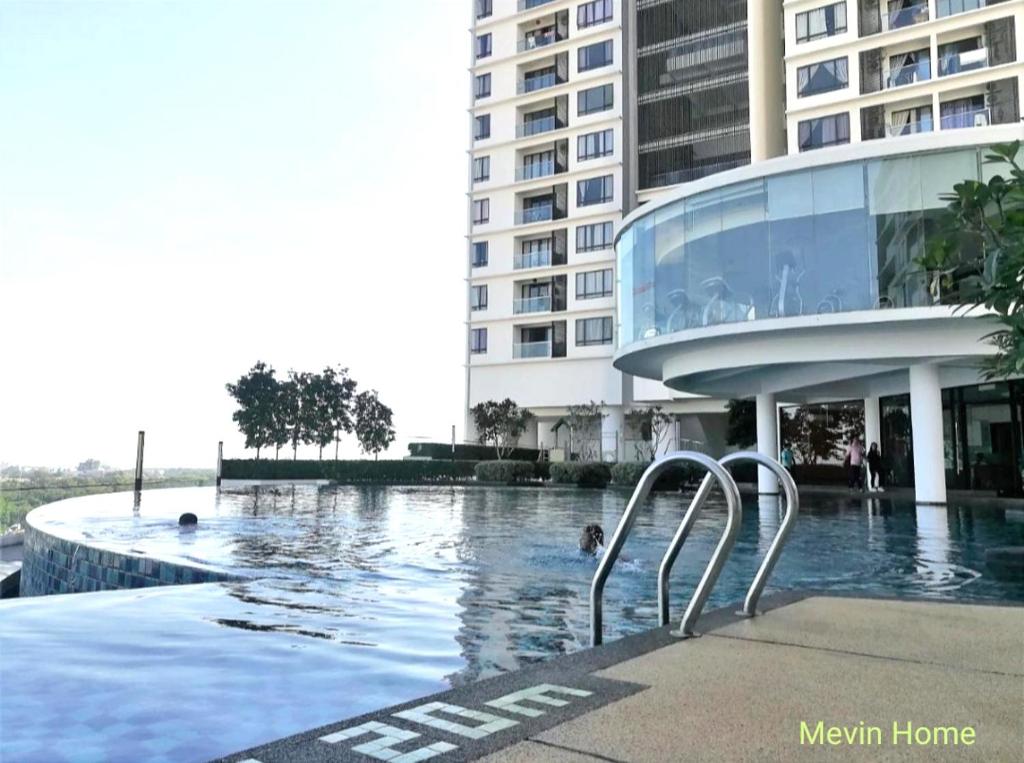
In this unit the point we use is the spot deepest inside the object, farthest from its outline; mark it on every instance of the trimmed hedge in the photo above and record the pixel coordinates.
(442, 451)
(628, 474)
(350, 472)
(581, 473)
(504, 471)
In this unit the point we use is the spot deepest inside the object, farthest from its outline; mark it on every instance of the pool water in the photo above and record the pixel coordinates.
(358, 598)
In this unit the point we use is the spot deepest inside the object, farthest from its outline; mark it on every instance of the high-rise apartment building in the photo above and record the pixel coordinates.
(586, 112)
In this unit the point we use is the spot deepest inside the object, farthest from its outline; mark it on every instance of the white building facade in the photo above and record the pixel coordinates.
(720, 128)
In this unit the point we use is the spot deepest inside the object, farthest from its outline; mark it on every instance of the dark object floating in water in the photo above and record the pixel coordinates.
(188, 519)
(591, 538)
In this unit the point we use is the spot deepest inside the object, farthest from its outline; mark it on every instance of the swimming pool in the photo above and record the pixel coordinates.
(355, 598)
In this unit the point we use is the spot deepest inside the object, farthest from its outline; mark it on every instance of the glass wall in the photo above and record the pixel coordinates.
(823, 240)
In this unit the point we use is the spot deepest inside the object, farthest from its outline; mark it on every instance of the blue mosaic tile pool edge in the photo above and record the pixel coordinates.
(54, 565)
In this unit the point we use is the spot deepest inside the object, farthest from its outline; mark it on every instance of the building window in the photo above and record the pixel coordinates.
(832, 130)
(481, 211)
(593, 13)
(478, 341)
(483, 45)
(478, 297)
(483, 8)
(962, 56)
(481, 169)
(594, 99)
(963, 112)
(594, 56)
(594, 191)
(482, 127)
(822, 77)
(594, 284)
(950, 7)
(821, 22)
(482, 87)
(479, 254)
(593, 331)
(595, 144)
(590, 238)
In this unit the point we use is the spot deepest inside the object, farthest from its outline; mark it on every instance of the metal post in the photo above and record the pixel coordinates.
(453, 442)
(138, 462)
(220, 461)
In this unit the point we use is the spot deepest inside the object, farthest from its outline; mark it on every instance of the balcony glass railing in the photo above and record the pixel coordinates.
(535, 214)
(968, 118)
(535, 170)
(966, 61)
(909, 128)
(909, 74)
(531, 350)
(540, 82)
(945, 8)
(525, 5)
(531, 305)
(535, 41)
(537, 126)
(524, 260)
(908, 16)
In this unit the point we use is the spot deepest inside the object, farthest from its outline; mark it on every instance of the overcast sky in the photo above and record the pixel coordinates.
(187, 187)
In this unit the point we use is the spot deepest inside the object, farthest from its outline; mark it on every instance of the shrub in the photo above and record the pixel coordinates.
(542, 470)
(628, 474)
(504, 471)
(350, 472)
(581, 473)
(442, 451)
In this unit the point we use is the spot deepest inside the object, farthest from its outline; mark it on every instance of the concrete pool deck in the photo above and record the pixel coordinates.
(739, 692)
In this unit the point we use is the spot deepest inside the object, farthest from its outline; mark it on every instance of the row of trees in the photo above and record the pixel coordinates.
(501, 424)
(308, 408)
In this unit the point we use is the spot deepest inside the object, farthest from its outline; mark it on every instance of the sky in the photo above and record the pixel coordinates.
(187, 187)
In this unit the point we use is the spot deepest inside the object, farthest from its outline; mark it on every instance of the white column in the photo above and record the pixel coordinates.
(872, 422)
(926, 420)
(613, 426)
(765, 73)
(767, 442)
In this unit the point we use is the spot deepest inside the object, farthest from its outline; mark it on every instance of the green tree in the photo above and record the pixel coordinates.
(285, 414)
(500, 424)
(585, 428)
(373, 423)
(256, 396)
(979, 254)
(741, 429)
(87, 466)
(338, 391)
(653, 426)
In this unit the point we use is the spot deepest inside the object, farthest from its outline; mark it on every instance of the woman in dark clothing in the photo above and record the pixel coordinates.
(874, 468)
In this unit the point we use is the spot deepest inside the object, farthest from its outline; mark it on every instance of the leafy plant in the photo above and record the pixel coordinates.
(507, 472)
(500, 424)
(585, 429)
(653, 425)
(256, 396)
(742, 426)
(980, 245)
(373, 424)
(352, 471)
(581, 473)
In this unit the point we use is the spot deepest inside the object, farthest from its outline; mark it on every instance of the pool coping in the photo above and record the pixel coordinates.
(574, 671)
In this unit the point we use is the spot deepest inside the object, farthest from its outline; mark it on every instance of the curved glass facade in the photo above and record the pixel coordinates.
(827, 239)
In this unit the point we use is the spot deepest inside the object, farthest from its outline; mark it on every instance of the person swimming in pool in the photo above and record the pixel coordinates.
(591, 537)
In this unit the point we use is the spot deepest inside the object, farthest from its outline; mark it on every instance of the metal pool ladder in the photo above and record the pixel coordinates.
(716, 471)
(721, 553)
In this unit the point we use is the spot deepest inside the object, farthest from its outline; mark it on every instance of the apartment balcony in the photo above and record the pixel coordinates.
(528, 5)
(909, 74)
(521, 350)
(537, 214)
(944, 8)
(539, 82)
(896, 129)
(539, 40)
(536, 170)
(526, 260)
(968, 60)
(531, 305)
(539, 126)
(979, 117)
(907, 15)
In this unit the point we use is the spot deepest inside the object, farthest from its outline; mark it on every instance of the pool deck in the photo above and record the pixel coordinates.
(739, 692)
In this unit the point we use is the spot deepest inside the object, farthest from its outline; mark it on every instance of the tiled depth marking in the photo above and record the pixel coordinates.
(490, 723)
(381, 747)
(510, 702)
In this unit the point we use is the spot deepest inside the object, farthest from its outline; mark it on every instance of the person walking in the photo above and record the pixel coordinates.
(855, 462)
(875, 468)
(787, 460)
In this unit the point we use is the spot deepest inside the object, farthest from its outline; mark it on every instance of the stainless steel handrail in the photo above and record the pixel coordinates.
(774, 550)
(725, 544)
